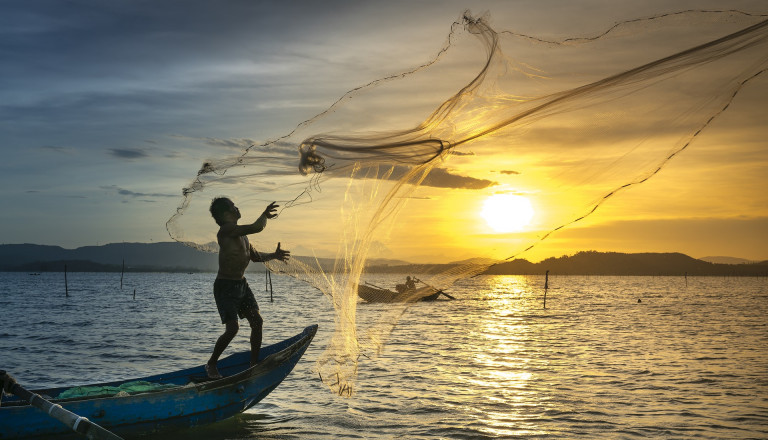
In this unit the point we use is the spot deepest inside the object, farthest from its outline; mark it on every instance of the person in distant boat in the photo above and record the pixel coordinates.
(409, 283)
(233, 296)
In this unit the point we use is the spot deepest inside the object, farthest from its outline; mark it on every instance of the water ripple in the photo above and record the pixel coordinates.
(686, 363)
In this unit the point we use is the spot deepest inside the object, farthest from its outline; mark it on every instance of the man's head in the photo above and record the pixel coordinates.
(224, 210)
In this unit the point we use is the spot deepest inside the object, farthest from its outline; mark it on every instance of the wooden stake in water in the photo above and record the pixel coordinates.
(268, 285)
(66, 286)
(121, 275)
(546, 286)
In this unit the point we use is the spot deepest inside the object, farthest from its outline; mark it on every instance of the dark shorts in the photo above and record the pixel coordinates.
(233, 298)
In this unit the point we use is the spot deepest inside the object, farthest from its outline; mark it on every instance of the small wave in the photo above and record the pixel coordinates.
(702, 380)
(52, 338)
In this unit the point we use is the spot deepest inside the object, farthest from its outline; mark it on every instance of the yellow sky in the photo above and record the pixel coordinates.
(564, 125)
(709, 199)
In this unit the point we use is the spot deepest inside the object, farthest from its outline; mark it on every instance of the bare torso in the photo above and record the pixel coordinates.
(234, 255)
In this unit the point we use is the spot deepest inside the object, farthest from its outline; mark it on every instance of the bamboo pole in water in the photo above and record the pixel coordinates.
(546, 286)
(66, 286)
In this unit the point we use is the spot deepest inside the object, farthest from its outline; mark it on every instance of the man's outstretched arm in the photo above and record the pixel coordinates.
(260, 223)
(279, 254)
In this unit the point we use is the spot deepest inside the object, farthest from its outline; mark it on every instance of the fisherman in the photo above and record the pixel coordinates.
(233, 296)
(409, 283)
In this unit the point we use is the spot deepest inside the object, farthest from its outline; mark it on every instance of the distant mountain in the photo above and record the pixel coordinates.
(599, 263)
(476, 260)
(169, 256)
(138, 257)
(614, 263)
(386, 262)
(175, 257)
(726, 260)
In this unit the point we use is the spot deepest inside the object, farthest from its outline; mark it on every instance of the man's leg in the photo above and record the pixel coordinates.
(254, 318)
(221, 344)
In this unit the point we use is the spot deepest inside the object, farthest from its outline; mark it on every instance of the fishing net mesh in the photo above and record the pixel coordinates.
(569, 124)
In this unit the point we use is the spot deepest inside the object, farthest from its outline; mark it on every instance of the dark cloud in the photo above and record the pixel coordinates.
(509, 172)
(235, 144)
(140, 200)
(129, 193)
(442, 178)
(55, 149)
(128, 153)
(462, 153)
(419, 197)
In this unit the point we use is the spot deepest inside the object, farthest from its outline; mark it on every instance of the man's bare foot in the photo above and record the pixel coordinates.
(212, 372)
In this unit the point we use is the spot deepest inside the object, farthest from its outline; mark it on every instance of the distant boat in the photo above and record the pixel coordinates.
(374, 294)
(184, 398)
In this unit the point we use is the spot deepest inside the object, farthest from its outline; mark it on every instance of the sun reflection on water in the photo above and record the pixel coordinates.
(686, 362)
(504, 363)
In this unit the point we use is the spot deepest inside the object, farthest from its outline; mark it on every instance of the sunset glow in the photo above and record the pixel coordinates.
(531, 114)
(507, 212)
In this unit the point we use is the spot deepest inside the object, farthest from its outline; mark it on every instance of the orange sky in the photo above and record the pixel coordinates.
(710, 200)
(104, 129)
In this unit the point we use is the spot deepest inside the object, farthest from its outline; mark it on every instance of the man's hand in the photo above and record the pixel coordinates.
(271, 211)
(281, 254)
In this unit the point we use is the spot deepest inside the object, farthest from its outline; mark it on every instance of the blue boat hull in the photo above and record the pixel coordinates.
(190, 404)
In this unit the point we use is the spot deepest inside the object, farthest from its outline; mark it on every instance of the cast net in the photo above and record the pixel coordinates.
(407, 159)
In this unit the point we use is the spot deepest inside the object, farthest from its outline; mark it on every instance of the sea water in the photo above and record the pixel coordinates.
(609, 357)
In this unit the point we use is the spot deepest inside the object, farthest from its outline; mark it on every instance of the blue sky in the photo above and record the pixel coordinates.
(107, 109)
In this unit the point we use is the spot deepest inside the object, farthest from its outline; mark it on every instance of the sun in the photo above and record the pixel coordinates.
(507, 212)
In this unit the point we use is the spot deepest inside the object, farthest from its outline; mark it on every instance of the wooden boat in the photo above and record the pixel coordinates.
(188, 404)
(378, 295)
